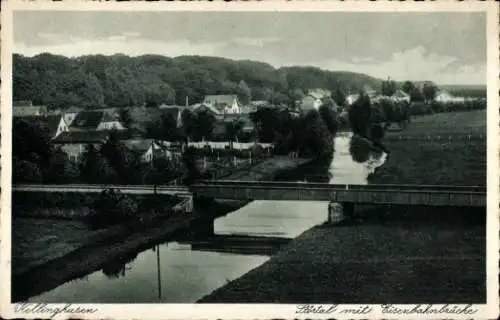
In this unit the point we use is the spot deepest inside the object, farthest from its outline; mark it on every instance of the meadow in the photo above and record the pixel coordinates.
(435, 149)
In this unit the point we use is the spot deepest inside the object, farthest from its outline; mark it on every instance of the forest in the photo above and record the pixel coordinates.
(123, 81)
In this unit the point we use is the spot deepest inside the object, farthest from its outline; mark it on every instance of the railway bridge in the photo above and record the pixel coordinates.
(342, 197)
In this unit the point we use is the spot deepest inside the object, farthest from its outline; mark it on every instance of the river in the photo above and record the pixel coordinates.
(183, 270)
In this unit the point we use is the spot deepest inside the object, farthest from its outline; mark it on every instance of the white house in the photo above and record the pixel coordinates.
(53, 125)
(227, 103)
(95, 121)
(310, 102)
(400, 95)
(70, 114)
(445, 96)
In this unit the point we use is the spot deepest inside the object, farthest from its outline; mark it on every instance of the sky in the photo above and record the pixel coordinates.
(447, 48)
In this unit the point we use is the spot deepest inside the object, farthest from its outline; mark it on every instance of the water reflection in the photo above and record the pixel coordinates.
(116, 268)
(185, 269)
(360, 149)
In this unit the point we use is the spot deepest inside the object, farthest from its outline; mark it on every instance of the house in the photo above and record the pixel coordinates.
(95, 120)
(226, 103)
(53, 125)
(209, 108)
(445, 96)
(26, 108)
(310, 102)
(70, 114)
(400, 95)
(372, 94)
(74, 143)
(319, 93)
(148, 149)
(249, 108)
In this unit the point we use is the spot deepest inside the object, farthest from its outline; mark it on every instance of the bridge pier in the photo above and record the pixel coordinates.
(205, 218)
(338, 212)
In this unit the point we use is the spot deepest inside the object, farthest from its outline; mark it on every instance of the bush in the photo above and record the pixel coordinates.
(113, 207)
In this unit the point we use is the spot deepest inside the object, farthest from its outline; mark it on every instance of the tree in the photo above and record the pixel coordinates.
(205, 121)
(329, 116)
(315, 138)
(25, 171)
(416, 95)
(388, 87)
(360, 115)
(233, 129)
(94, 168)
(408, 87)
(123, 161)
(165, 128)
(93, 94)
(125, 117)
(429, 91)
(244, 92)
(189, 124)
(360, 149)
(338, 96)
(60, 169)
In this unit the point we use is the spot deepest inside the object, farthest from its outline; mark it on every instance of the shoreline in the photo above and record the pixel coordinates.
(118, 240)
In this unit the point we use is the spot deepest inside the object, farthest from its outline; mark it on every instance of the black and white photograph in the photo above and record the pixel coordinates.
(302, 157)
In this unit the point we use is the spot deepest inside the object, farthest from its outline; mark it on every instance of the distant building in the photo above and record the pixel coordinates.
(95, 120)
(209, 108)
(310, 102)
(226, 103)
(149, 149)
(23, 108)
(70, 114)
(319, 93)
(74, 143)
(53, 125)
(400, 95)
(445, 96)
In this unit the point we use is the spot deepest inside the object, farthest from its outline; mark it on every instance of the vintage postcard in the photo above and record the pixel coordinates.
(250, 160)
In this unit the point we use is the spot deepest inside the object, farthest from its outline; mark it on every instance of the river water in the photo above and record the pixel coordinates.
(183, 270)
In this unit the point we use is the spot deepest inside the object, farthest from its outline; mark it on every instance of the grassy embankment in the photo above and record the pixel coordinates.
(47, 252)
(435, 149)
(401, 255)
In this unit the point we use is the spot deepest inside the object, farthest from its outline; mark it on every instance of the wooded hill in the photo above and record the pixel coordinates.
(123, 81)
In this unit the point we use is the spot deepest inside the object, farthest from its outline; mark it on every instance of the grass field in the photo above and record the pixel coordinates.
(471, 122)
(426, 256)
(37, 241)
(454, 162)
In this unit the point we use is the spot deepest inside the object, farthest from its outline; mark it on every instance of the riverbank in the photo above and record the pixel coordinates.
(43, 249)
(387, 257)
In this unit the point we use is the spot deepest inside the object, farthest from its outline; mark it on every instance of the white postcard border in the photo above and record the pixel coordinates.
(255, 311)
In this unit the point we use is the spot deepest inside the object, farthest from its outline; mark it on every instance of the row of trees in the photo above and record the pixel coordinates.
(426, 93)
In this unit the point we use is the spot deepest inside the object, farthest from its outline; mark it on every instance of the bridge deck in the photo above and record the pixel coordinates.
(473, 196)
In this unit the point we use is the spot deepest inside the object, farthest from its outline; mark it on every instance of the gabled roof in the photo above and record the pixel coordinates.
(224, 99)
(168, 106)
(140, 146)
(208, 106)
(400, 93)
(49, 123)
(73, 109)
(22, 103)
(87, 120)
(69, 137)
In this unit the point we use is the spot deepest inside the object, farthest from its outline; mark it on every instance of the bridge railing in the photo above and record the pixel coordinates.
(309, 185)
